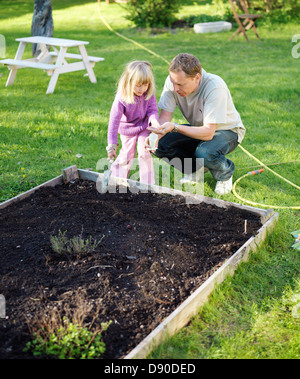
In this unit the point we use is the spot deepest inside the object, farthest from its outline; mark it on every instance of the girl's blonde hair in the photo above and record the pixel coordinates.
(136, 72)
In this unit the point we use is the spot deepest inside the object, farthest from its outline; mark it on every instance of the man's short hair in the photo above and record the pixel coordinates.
(187, 63)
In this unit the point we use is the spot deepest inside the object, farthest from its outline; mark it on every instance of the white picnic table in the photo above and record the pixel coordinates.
(54, 61)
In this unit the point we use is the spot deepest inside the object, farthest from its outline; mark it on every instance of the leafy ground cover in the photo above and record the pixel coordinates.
(250, 315)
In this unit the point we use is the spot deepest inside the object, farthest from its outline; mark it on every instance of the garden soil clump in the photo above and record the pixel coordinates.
(154, 250)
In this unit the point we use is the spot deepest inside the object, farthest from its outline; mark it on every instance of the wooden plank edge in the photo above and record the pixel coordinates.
(49, 183)
(191, 306)
(69, 173)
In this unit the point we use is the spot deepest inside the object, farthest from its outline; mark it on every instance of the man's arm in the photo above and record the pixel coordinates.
(204, 133)
(165, 116)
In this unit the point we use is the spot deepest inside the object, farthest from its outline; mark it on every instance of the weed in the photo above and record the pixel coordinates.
(69, 336)
(70, 341)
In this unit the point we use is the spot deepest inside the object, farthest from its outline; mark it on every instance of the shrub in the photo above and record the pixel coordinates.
(152, 13)
(75, 246)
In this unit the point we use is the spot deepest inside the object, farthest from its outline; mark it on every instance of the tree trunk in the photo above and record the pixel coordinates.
(42, 22)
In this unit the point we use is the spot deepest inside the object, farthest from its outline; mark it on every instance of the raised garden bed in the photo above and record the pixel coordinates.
(157, 263)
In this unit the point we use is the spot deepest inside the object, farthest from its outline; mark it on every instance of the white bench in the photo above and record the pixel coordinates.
(78, 56)
(16, 63)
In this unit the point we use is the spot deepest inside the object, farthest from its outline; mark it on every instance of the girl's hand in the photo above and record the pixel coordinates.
(151, 142)
(112, 155)
(111, 151)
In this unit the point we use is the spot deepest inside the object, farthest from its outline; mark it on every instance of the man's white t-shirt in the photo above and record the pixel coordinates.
(210, 104)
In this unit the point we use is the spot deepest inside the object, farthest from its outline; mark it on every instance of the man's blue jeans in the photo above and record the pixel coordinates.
(176, 145)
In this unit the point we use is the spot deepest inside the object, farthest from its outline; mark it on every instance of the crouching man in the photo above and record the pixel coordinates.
(214, 126)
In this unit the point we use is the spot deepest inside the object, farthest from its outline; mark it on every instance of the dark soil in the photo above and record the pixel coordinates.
(155, 252)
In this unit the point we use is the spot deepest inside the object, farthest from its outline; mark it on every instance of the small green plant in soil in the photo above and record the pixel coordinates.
(64, 333)
(75, 246)
(70, 341)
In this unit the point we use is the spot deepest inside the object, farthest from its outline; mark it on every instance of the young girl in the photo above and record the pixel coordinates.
(133, 110)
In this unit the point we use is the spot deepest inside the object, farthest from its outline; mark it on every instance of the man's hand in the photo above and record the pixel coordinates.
(162, 129)
(155, 123)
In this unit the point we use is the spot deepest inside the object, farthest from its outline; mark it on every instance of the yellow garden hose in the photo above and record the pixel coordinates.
(249, 173)
(242, 148)
(129, 39)
(254, 203)
(268, 168)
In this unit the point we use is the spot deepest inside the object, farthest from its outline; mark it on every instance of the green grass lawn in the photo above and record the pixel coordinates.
(251, 315)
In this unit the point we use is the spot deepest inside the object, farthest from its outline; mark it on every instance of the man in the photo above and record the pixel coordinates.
(215, 127)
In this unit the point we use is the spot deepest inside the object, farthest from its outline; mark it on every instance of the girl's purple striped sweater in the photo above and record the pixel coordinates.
(131, 119)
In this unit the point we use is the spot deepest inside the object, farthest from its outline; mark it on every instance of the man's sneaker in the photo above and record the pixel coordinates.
(223, 187)
(194, 177)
